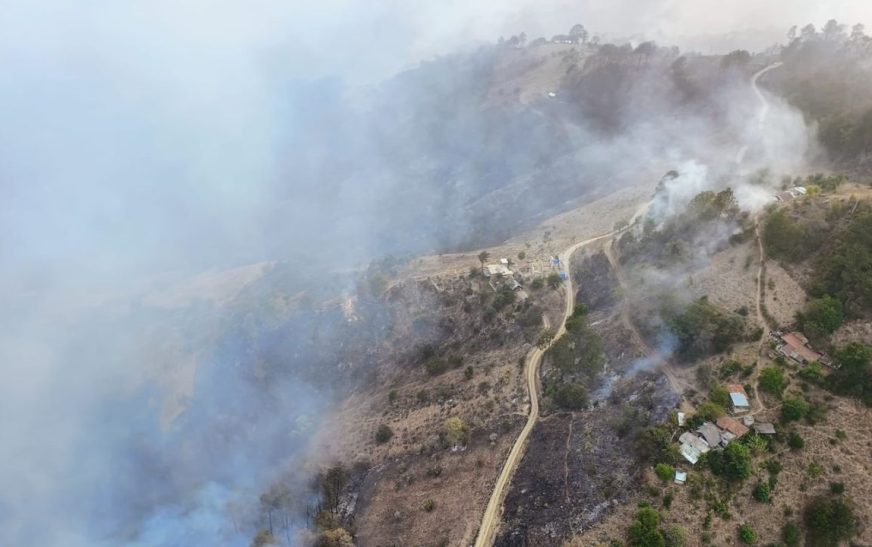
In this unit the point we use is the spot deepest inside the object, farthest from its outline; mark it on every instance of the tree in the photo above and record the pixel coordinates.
(821, 317)
(790, 535)
(554, 280)
(664, 471)
(483, 256)
(337, 537)
(456, 431)
(733, 463)
(579, 32)
(853, 377)
(829, 521)
(383, 434)
(644, 532)
(710, 410)
(762, 492)
(794, 408)
(772, 380)
(571, 396)
(747, 535)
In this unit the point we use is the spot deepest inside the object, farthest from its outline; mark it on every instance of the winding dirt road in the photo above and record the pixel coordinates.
(493, 512)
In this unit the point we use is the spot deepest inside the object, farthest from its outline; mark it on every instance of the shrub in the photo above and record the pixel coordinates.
(762, 492)
(821, 317)
(837, 487)
(644, 532)
(720, 396)
(429, 505)
(383, 434)
(674, 536)
(732, 463)
(468, 373)
(553, 280)
(794, 408)
(795, 441)
(710, 410)
(664, 471)
(790, 535)
(571, 396)
(772, 380)
(829, 520)
(747, 535)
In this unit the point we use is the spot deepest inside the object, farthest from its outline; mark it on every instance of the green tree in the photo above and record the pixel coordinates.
(710, 410)
(821, 317)
(675, 536)
(747, 535)
(772, 380)
(483, 256)
(829, 521)
(732, 463)
(645, 532)
(790, 535)
(571, 396)
(383, 434)
(553, 280)
(853, 377)
(794, 408)
(664, 471)
(762, 492)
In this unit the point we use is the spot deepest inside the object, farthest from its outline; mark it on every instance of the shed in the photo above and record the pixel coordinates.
(680, 477)
(764, 428)
(679, 417)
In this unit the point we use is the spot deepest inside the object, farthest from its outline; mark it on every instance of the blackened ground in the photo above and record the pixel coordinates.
(579, 465)
(598, 287)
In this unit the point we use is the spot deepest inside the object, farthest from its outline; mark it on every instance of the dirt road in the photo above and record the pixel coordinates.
(493, 512)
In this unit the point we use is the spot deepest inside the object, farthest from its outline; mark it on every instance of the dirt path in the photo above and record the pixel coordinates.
(493, 513)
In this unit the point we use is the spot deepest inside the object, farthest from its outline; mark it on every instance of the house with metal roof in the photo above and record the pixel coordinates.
(738, 399)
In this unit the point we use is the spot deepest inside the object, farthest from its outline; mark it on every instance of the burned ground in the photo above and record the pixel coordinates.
(580, 465)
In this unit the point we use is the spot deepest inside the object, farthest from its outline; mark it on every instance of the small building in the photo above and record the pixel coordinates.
(764, 428)
(504, 262)
(747, 421)
(732, 426)
(692, 447)
(494, 270)
(680, 477)
(679, 417)
(795, 346)
(710, 433)
(738, 399)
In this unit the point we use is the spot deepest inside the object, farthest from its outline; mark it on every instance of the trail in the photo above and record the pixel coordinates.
(761, 320)
(493, 512)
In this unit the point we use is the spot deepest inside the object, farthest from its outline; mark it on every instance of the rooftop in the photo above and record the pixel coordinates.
(729, 424)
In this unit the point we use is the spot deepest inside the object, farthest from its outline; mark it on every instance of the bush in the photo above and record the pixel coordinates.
(571, 396)
(664, 471)
(837, 487)
(553, 280)
(674, 536)
(732, 463)
(429, 505)
(794, 408)
(383, 434)
(795, 441)
(772, 380)
(790, 535)
(762, 492)
(829, 520)
(710, 411)
(747, 535)
(720, 396)
(644, 532)
(821, 317)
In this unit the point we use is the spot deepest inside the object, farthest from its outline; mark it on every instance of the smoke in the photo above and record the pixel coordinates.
(145, 142)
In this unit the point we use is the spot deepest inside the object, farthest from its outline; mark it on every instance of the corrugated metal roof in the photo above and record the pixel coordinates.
(739, 400)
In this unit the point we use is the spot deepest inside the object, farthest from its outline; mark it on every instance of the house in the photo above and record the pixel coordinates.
(710, 433)
(764, 428)
(680, 477)
(494, 270)
(692, 447)
(732, 426)
(793, 193)
(795, 346)
(738, 399)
